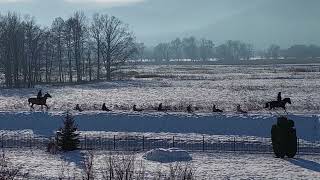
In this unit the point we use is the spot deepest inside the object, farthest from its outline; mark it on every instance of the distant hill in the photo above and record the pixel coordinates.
(261, 22)
(284, 23)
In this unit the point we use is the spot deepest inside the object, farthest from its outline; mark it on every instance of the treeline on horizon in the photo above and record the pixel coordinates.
(80, 49)
(231, 51)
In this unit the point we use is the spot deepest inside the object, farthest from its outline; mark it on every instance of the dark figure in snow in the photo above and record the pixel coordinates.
(279, 98)
(239, 110)
(39, 96)
(104, 107)
(189, 109)
(160, 107)
(136, 109)
(78, 108)
(214, 109)
(284, 138)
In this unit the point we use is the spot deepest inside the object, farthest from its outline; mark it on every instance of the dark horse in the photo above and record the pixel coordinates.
(278, 104)
(40, 101)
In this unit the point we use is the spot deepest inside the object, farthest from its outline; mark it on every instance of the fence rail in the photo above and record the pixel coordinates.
(144, 143)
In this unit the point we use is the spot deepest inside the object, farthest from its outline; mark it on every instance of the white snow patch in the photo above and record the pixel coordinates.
(167, 155)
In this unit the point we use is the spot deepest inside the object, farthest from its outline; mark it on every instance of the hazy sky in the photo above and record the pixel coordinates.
(161, 20)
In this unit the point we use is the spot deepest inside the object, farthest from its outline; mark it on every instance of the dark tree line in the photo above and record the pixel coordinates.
(194, 49)
(293, 52)
(230, 51)
(71, 50)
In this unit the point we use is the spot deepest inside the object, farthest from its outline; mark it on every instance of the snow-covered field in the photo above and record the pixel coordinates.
(178, 86)
(206, 165)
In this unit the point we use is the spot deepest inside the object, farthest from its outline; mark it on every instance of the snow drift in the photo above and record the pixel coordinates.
(167, 155)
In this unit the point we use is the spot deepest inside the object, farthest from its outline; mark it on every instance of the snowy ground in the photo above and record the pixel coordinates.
(206, 165)
(178, 86)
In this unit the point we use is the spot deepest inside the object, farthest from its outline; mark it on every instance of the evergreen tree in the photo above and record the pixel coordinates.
(67, 136)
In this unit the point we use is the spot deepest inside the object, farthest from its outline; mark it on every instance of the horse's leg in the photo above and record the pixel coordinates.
(47, 106)
(285, 109)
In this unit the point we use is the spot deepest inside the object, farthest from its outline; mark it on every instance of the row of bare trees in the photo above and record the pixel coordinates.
(198, 49)
(71, 50)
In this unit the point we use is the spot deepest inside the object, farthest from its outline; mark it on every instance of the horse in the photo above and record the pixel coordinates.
(136, 109)
(41, 101)
(278, 104)
(214, 109)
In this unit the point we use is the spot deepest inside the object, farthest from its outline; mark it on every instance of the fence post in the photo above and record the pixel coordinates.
(114, 142)
(173, 141)
(203, 143)
(85, 142)
(2, 143)
(143, 142)
(298, 144)
(234, 144)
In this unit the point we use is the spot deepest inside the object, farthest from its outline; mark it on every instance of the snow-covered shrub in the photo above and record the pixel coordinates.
(122, 167)
(177, 171)
(88, 171)
(67, 136)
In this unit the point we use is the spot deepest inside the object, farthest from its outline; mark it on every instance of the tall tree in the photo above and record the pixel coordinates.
(96, 31)
(273, 51)
(206, 49)
(57, 30)
(176, 49)
(190, 48)
(118, 44)
(162, 52)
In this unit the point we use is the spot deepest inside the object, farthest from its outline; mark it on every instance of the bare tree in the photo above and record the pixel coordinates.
(78, 28)
(96, 31)
(118, 44)
(57, 33)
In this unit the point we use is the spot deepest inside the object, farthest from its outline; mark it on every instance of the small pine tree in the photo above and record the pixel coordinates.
(67, 137)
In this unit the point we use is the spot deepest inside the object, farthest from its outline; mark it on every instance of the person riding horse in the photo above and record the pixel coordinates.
(39, 96)
(39, 100)
(279, 98)
(280, 103)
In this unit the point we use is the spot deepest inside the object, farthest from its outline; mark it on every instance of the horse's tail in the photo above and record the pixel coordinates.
(267, 105)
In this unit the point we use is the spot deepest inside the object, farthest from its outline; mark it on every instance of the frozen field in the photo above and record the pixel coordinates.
(178, 86)
(205, 165)
(175, 86)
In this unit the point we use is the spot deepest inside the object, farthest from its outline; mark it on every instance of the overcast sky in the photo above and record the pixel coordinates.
(161, 20)
(46, 10)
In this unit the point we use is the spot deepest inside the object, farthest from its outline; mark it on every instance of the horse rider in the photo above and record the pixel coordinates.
(189, 109)
(104, 107)
(239, 110)
(279, 99)
(160, 107)
(77, 108)
(214, 109)
(39, 96)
